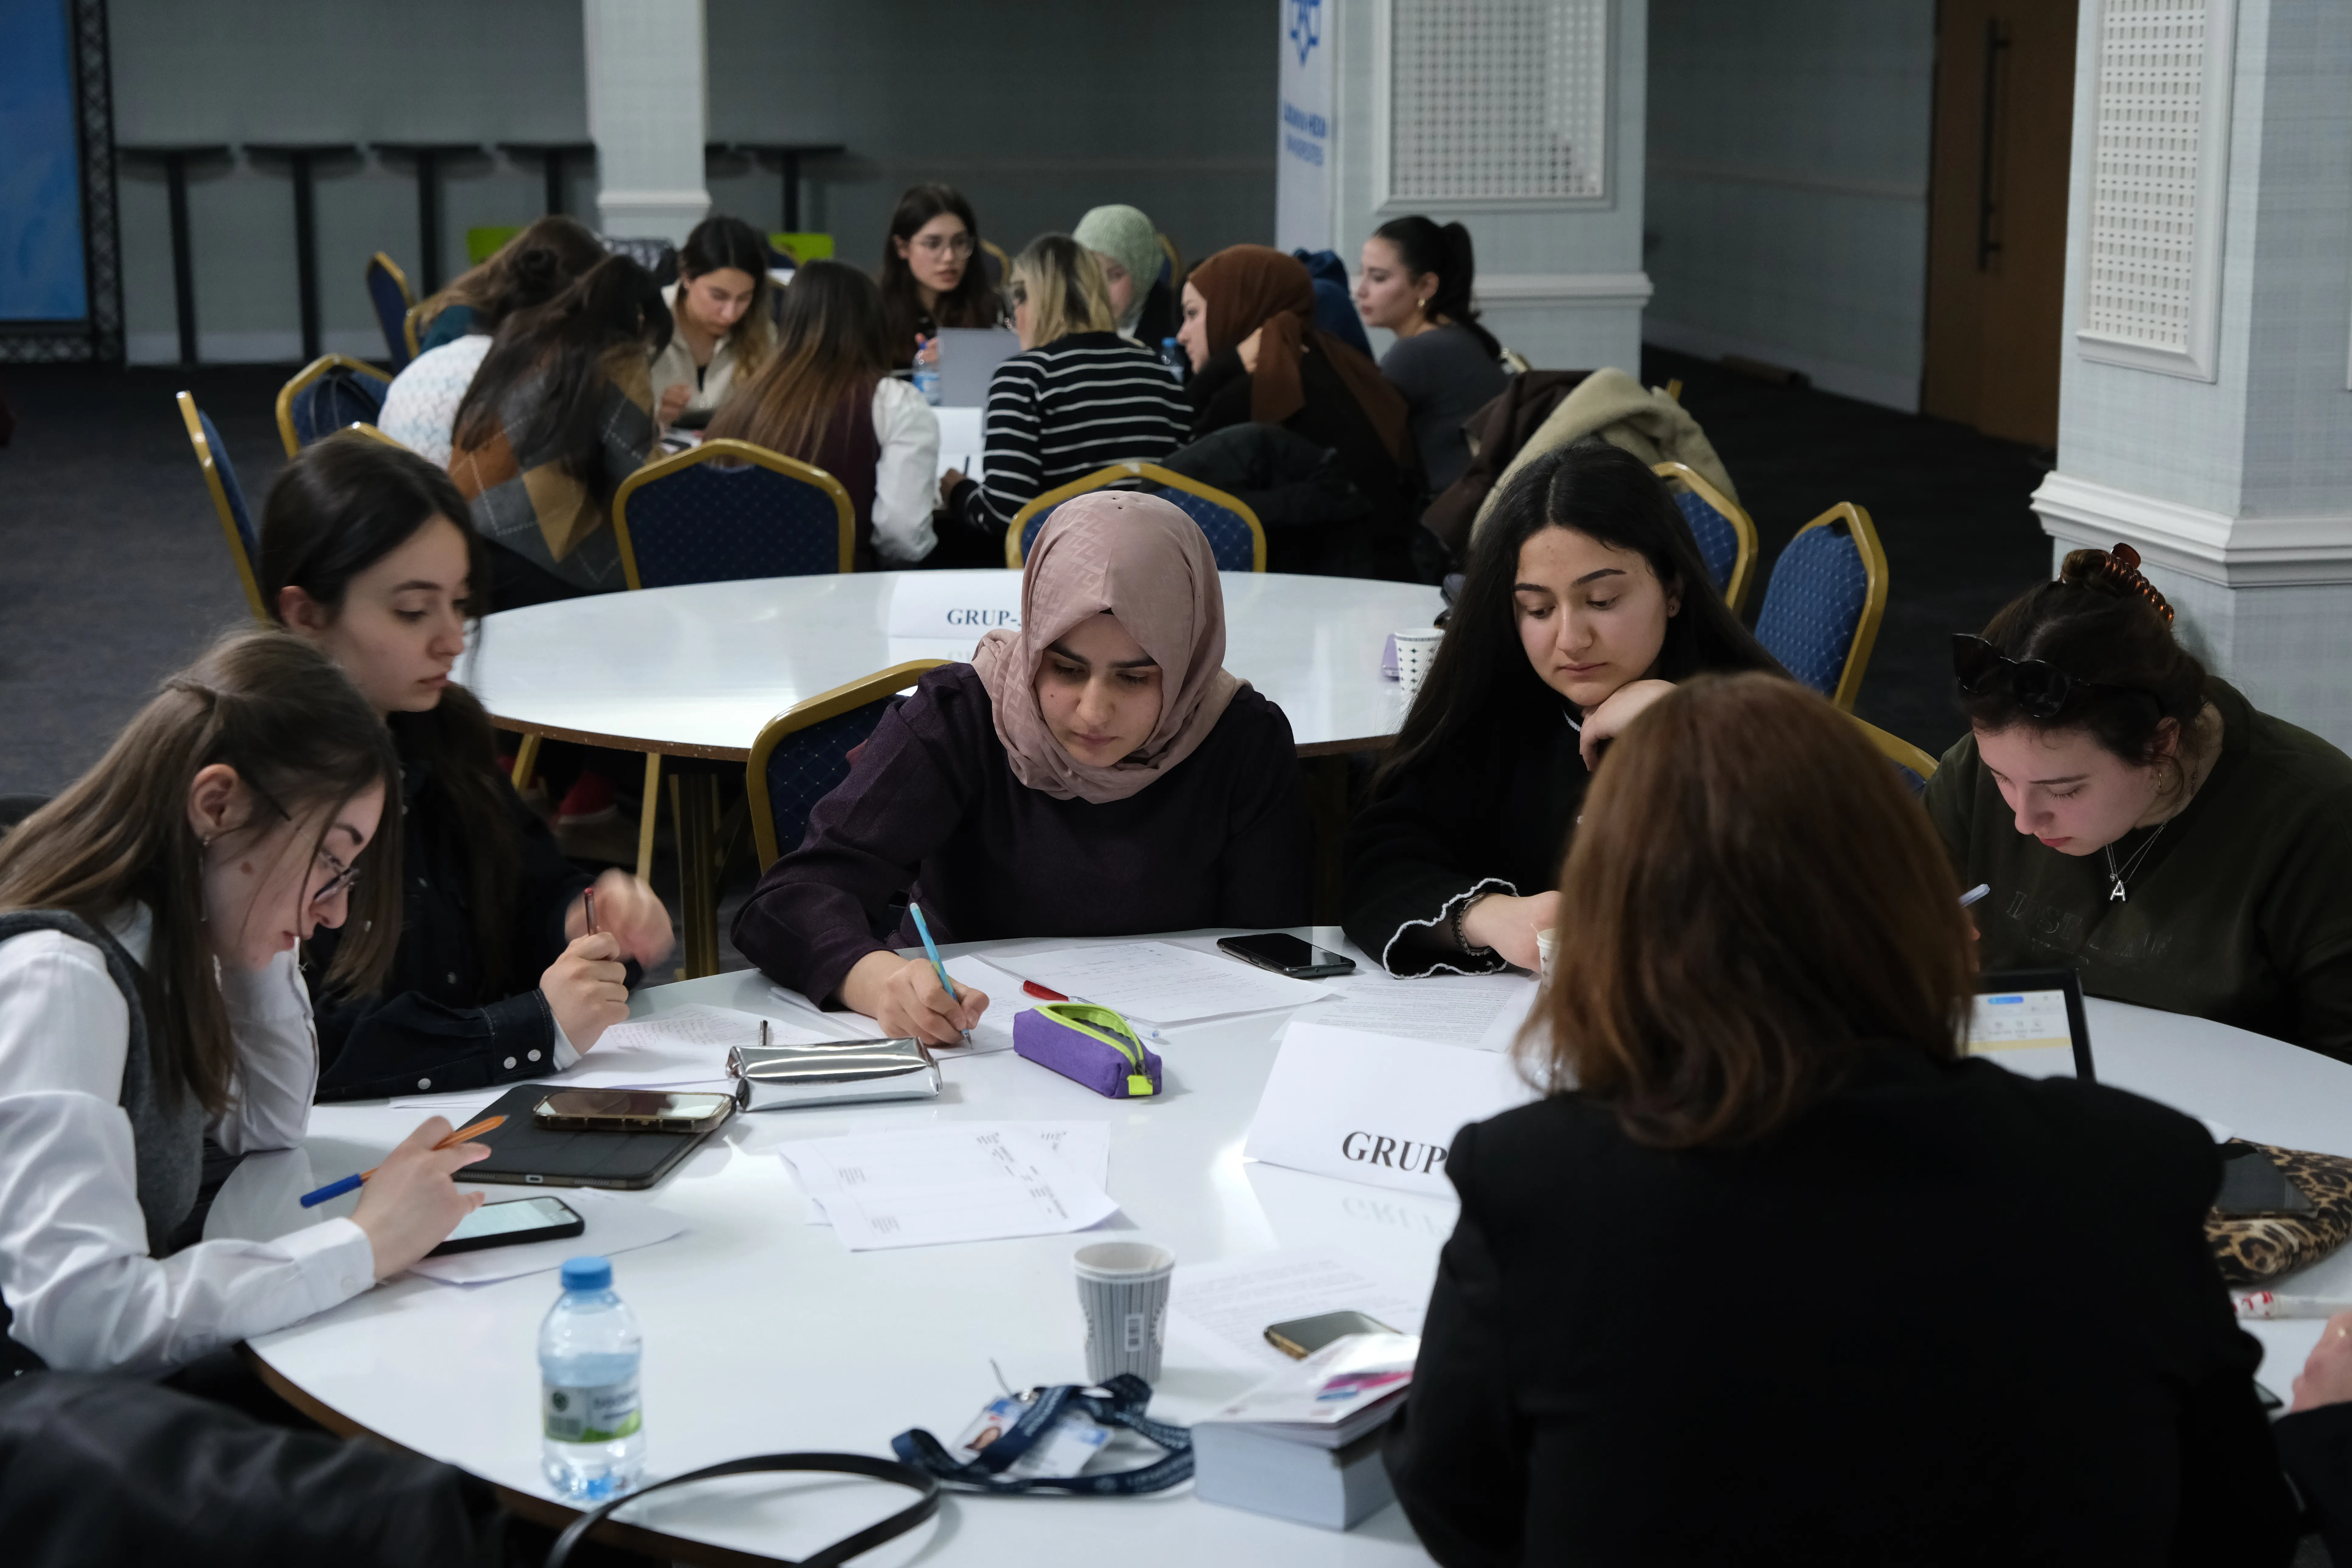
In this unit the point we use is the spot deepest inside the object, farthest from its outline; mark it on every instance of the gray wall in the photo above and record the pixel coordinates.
(1036, 109)
(1788, 186)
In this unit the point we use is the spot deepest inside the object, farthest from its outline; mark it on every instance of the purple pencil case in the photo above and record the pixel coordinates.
(1087, 1045)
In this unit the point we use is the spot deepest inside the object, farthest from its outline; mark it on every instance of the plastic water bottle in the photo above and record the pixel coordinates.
(1179, 362)
(589, 1350)
(926, 369)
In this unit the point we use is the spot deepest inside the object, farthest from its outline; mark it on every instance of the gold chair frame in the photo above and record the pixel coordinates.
(1003, 266)
(800, 716)
(735, 452)
(244, 573)
(1016, 557)
(408, 326)
(1873, 605)
(1896, 749)
(1743, 569)
(1175, 273)
(408, 329)
(304, 377)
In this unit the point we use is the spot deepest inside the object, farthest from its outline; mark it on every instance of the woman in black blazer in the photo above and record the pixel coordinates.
(1786, 1280)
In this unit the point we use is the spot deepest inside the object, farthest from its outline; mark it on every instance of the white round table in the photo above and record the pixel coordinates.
(764, 1333)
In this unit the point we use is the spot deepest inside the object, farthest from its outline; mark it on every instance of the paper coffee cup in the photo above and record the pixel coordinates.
(1416, 651)
(1547, 943)
(1123, 1289)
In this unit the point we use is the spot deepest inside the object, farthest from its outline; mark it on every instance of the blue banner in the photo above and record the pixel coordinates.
(41, 277)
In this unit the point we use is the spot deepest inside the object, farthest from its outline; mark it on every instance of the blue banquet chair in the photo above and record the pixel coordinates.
(228, 500)
(1821, 611)
(729, 510)
(331, 392)
(396, 308)
(1235, 536)
(802, 754)
(1727, 539)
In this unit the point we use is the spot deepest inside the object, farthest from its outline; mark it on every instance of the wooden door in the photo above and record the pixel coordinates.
(1997, 214)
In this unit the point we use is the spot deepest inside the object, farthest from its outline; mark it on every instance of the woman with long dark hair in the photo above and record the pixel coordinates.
(826, 396)
(723, 322)
(933, 274)
(1414, 279)
(561, 412)
(420, 408)
(1585, 601)
(150, 997)
(366, 552)
(2140, 822)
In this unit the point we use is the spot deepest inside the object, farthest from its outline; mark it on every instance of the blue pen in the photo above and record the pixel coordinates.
(923, 930)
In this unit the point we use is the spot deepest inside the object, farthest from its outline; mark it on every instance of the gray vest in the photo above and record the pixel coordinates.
(167, 1125)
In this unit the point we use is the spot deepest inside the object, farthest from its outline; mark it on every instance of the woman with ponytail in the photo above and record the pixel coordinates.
(561, 412)
(1414, 279)
(723, 308)
(529, 269)
(2140, 822)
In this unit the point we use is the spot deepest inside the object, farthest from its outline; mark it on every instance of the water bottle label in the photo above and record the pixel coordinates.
(601, 1414)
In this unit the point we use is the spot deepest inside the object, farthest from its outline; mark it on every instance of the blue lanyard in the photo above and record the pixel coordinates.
(1120, 1402)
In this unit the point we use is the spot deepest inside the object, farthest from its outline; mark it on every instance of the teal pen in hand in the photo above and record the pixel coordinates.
(923, 930)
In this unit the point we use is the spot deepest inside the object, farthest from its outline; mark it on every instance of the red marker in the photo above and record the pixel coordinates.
(1040, 993)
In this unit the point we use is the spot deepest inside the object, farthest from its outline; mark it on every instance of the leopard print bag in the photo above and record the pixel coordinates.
(2256, 1246)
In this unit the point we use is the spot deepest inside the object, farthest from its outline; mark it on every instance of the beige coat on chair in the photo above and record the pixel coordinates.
(1643, 420)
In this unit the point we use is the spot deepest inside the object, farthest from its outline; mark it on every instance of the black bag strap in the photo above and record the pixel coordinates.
(841, 1551)
(1118, 1402)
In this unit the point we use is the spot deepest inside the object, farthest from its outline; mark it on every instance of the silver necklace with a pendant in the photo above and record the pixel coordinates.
(2115, 894)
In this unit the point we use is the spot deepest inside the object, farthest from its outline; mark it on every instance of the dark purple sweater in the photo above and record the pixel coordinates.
(930, 810)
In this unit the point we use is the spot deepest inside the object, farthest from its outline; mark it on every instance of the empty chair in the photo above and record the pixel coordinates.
(331, 392)
(1821, 611)
(1727, 539)
(802, 754)
(388, 291)
(1235, 536)
(228, 499)
(729, 510)
(1914, 766)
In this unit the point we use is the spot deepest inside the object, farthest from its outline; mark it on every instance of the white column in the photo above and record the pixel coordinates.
(647, 115)
(1524, 120)
(2204, 415)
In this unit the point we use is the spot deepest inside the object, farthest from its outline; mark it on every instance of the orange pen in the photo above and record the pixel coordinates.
(337, 1189)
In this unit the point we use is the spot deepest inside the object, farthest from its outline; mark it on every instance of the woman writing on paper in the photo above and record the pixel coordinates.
(149, 998)
(2140, 822)
(366, 553)
(2021, 1353)
(1096, 774)
(1585, 602)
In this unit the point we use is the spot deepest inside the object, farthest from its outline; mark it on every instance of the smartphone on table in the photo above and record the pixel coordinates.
(2253, 1184)
(1287, 954)
(1302, 1337)
(632, 1110)
(510, 1223)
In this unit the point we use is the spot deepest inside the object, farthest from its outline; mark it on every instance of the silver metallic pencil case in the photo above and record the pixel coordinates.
(831, 1072)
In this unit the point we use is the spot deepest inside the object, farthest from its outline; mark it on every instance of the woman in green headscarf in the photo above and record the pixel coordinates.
(1123, 239)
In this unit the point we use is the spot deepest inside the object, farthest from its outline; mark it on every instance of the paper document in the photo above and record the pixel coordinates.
(1005, 999)
(613, 1224)
(824, 1025)
(1225, 1308)
(1481, 1010)
(1335, 1396)
(1159, 981)
(1084, 1146)
(965, 1181)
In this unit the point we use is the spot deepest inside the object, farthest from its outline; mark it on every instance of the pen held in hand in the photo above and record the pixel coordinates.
(1973, 894)
(588, 905)
(2268, 1304)
(923, 930)
(337, 1189)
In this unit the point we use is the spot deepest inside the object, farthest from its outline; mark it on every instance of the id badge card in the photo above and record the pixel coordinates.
(1063, 1451)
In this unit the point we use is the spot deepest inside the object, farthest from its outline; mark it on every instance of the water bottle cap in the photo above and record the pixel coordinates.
(587, 1274)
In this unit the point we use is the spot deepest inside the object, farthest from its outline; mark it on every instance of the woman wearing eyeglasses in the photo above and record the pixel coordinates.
(933, 275)
(148, 999)
(2138, 820)
(498, 977)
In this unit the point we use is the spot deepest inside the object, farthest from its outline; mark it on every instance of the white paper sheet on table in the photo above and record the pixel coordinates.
(1224, 1308)
(611, 1224)
(1159, 981)
(686, 1046)
(824, 1025)
(1005, 998)
(1084, 1146)
(964, 1181)
(1484, 1010)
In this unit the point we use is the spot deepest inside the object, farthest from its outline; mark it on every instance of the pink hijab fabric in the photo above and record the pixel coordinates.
(1148, 563)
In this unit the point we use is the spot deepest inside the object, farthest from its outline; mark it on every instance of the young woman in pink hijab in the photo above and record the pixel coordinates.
(1096, 774)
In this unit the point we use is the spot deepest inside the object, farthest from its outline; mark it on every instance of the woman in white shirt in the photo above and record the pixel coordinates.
(720, 307)
(150, 918)
(826, 396)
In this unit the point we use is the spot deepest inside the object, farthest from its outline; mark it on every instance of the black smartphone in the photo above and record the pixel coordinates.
(1287, 954)
(1302, 1337)
(2252, 1182)
(510, 1223)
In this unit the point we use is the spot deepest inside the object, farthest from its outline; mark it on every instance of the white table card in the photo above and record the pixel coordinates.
(964, 604)
(1374, 1109)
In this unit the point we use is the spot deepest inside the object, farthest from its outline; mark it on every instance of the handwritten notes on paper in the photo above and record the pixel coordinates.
(1483, 1011)
(966, 1181)
(1159, 981)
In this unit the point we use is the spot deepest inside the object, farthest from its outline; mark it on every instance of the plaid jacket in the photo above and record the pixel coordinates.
(528, 503)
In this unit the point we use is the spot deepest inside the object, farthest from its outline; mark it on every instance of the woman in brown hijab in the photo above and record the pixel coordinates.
(1257, 358)
(1097, 773)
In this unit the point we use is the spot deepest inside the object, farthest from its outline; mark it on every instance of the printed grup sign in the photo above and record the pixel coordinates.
(965, 606)
(1374, 1109)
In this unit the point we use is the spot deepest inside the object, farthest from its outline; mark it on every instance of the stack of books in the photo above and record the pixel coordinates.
(1306, 1444)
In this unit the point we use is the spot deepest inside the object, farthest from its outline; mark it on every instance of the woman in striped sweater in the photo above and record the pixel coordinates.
(1076, 399)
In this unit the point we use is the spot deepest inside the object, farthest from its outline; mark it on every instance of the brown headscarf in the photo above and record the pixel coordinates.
(1148, 563)
(1249, 287)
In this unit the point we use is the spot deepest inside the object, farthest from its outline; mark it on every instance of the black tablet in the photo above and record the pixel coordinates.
(2024, 1009)
(523, 1153)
